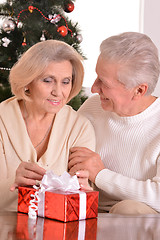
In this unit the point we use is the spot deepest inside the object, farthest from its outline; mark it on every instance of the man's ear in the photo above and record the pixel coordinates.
(140, 91)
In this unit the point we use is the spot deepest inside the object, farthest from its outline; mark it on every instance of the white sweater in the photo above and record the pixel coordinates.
(130, 150)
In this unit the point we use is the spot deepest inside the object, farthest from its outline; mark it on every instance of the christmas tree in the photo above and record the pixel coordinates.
(26, 22)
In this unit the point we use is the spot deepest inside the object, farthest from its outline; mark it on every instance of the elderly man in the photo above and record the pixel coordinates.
(126, 118)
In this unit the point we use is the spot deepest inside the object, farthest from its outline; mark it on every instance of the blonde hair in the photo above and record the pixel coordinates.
(137, 56)
(34, 61)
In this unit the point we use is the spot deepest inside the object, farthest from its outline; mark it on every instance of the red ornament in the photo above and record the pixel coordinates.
(31, 8)
(69, 7)
(24, 42)
(62, 30)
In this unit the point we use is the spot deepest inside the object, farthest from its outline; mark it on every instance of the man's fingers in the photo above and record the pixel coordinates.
(77, 167)
(74, 161)
(77, 154)
(82, 149)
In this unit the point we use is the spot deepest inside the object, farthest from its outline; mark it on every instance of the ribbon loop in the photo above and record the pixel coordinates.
(65, 182)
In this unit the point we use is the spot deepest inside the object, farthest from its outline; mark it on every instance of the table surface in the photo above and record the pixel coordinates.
(18, 226)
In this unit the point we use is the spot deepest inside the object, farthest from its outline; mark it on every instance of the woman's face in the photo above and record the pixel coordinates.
(50, 93)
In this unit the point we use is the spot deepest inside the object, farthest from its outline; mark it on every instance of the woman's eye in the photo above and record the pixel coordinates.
(48, 80)
(66, 81)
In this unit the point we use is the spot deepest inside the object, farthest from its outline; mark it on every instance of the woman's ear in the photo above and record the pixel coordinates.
(140, 91)
(26, 90)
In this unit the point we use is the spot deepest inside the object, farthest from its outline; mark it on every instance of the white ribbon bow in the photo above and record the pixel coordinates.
(65, 183)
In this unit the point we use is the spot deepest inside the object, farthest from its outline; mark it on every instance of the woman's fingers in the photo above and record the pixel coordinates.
(13, 187)
(34, 167)
(32, 175)
(30, 170)
(86, 187)
(83, 179)
(82, 174)
(27, 174)
(23, 182)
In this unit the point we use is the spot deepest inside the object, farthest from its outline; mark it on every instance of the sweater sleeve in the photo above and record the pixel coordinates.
(85, 134)
(6, 196)
(120, 187)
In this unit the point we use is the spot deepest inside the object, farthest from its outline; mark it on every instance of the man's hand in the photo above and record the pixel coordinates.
(27, 174)
(82, 158)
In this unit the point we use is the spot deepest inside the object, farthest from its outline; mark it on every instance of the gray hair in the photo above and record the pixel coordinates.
(137, 56)
(35, 60)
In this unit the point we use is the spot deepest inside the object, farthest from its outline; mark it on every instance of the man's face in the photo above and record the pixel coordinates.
(114, 96)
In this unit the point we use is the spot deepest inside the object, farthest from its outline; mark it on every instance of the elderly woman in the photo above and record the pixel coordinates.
(126, 118)
(37, 128)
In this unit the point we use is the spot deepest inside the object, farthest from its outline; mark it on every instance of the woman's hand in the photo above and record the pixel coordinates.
(27, 174)
(82, 176)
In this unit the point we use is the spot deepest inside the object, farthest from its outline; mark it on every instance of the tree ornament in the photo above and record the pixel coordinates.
(31, 8)
(20, 25)
(8, 25)
(79, 38)
(62, 30)
(42, 37)
(69, 7)
(5, 41)
(54, 18)
(24, 42)
(6, 69)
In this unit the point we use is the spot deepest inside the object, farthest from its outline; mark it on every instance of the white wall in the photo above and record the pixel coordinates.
(104, 18)
(99, 20)
(150, 26)
(109, 17)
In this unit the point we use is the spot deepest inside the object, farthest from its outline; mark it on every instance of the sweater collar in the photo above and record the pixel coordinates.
(150, 111)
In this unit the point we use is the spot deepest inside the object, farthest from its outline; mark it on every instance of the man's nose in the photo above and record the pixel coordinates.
(95, 87)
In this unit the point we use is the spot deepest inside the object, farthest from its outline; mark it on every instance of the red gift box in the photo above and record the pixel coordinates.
(47, 229)
(62, 206)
